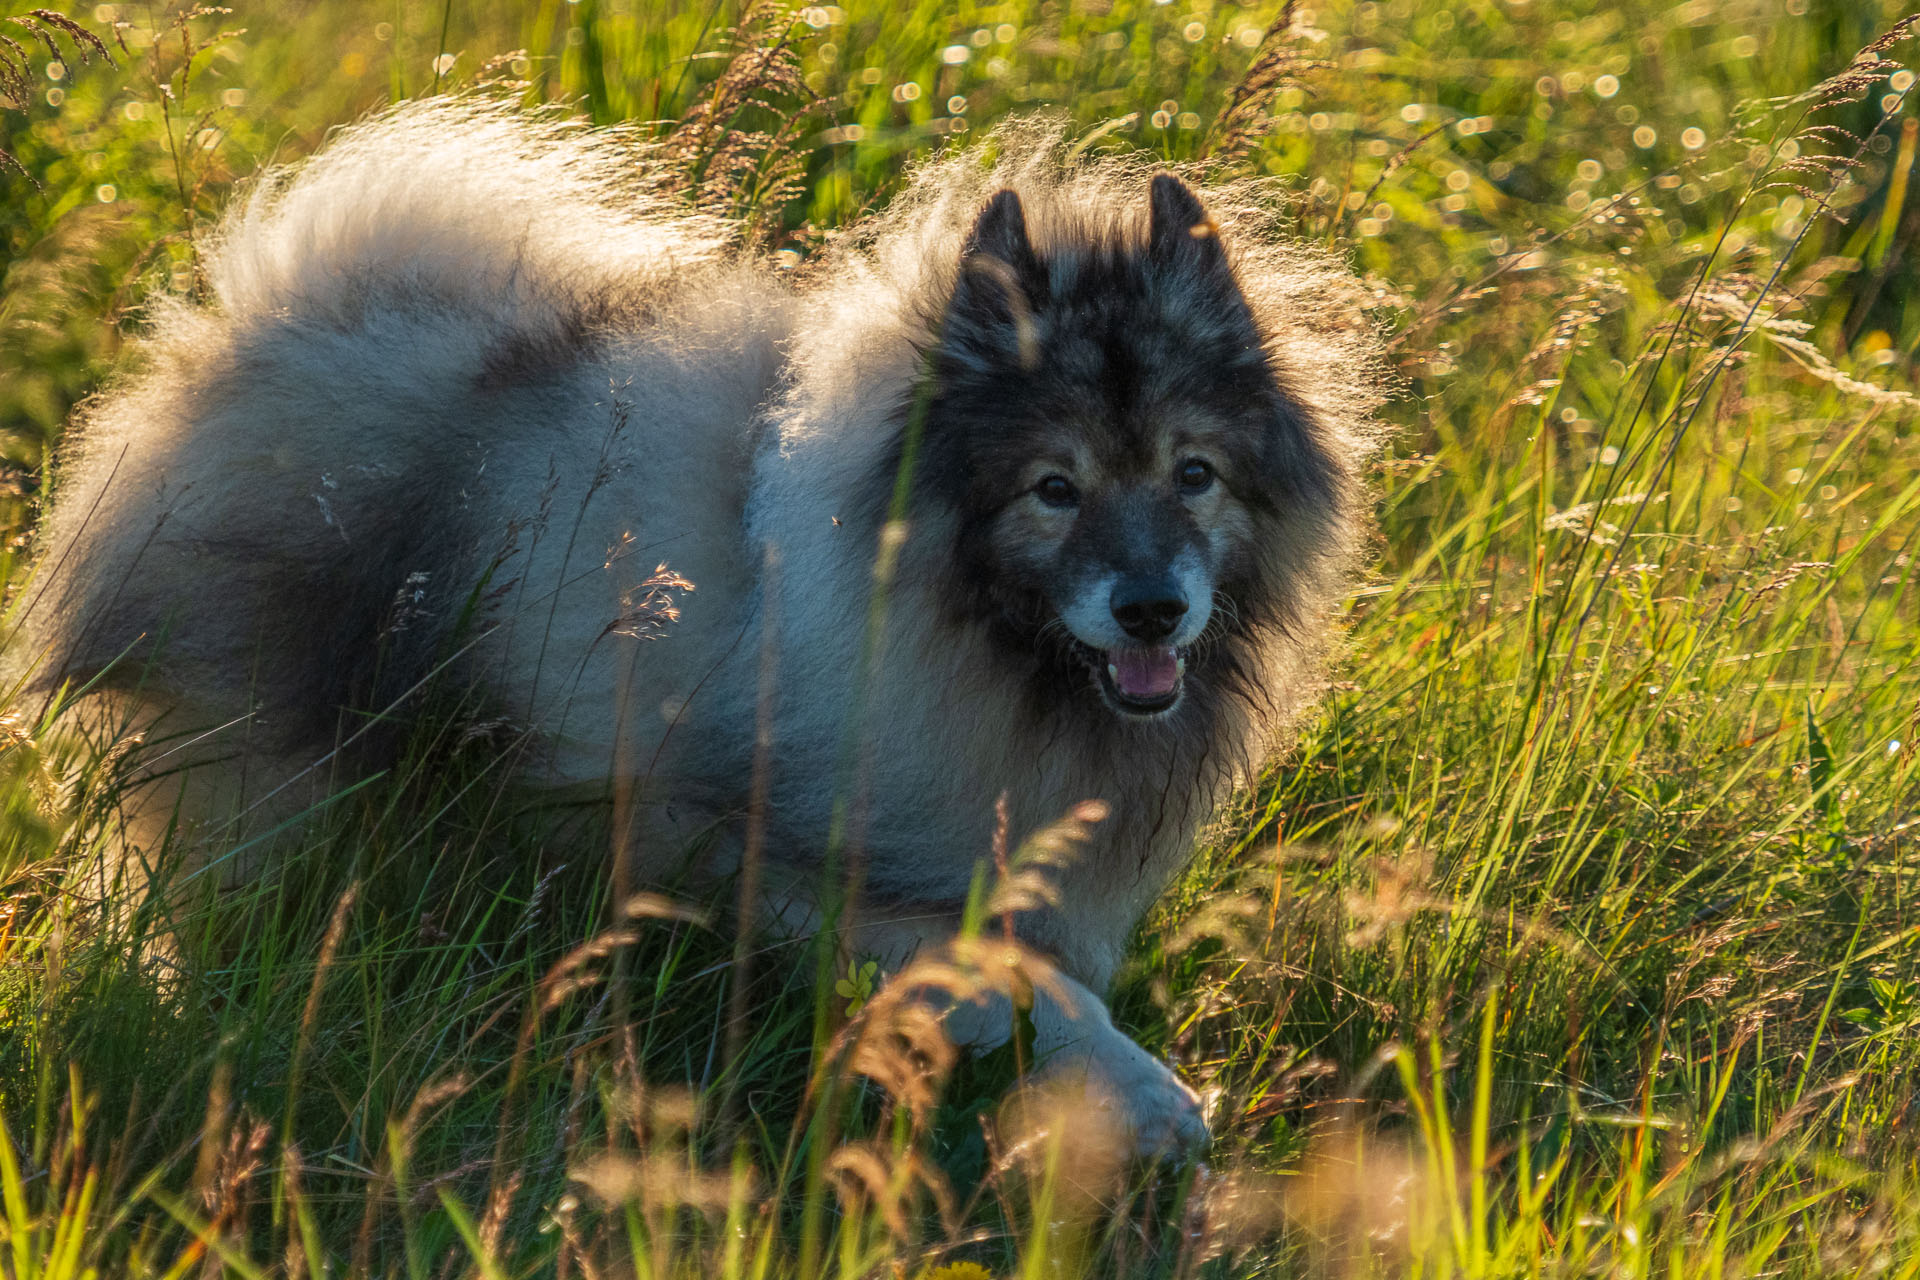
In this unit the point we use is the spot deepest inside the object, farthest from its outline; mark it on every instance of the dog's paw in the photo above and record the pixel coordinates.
(1110, 1090)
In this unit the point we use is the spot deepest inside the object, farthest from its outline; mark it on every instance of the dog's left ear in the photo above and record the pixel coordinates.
(1180, 230)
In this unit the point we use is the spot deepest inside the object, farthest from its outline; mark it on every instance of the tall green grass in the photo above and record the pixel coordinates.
(1577, 937)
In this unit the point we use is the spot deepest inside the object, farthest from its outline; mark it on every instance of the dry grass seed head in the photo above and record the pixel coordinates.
(901, 1045)
(648, 609)
(1278, 65)
(1029, 882)
(1065, 1128)
(16, 63)
(863, 1176)
(660, 1182)
(717, 161)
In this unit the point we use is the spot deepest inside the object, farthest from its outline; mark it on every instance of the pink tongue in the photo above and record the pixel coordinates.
(1145, 673)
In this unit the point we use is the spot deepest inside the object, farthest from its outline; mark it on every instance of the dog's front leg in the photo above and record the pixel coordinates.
(1090, 1067)
(1083, 1066)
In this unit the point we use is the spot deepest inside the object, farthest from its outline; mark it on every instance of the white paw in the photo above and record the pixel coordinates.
(1115, 1092)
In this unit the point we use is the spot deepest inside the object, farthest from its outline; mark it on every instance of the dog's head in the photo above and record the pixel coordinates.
(1125, 470)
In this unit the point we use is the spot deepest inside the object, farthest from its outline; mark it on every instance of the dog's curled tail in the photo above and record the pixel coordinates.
(453, 202)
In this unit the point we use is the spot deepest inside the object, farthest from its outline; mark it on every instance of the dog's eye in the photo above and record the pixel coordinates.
(1195, 475)
(1056, 491)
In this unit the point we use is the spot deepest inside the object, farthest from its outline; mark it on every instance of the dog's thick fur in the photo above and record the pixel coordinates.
(463, 385)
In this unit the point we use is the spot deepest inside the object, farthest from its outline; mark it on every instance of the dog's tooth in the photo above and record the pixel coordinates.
(1113, 673)
(1179, 666)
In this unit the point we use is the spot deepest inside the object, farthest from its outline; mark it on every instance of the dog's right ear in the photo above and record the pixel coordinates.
(1000, 286)
(1180, 230)
(1001, 232)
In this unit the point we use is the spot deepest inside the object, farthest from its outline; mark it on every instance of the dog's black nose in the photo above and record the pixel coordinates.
(1148, 609)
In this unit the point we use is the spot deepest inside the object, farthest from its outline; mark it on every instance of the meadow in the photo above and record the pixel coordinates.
(1577, 937)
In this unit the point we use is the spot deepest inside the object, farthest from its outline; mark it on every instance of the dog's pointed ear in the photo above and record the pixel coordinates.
(1001, 231)
(1001, 285)
(1180, 230)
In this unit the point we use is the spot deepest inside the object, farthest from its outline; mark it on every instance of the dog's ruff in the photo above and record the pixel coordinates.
(464, 383)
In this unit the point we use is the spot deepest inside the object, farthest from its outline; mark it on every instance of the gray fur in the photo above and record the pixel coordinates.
(459, 364)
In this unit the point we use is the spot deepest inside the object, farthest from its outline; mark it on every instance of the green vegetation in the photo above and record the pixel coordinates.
(1578, 937)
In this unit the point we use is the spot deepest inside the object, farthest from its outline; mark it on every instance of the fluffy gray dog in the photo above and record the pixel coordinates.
(469, 404)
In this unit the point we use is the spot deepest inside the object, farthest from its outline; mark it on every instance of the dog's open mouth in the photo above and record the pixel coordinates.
(1139, 681)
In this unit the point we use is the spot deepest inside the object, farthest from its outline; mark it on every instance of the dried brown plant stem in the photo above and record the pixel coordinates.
(1003, 875)
(754, 843)
(310, 1014)
(181, 24)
